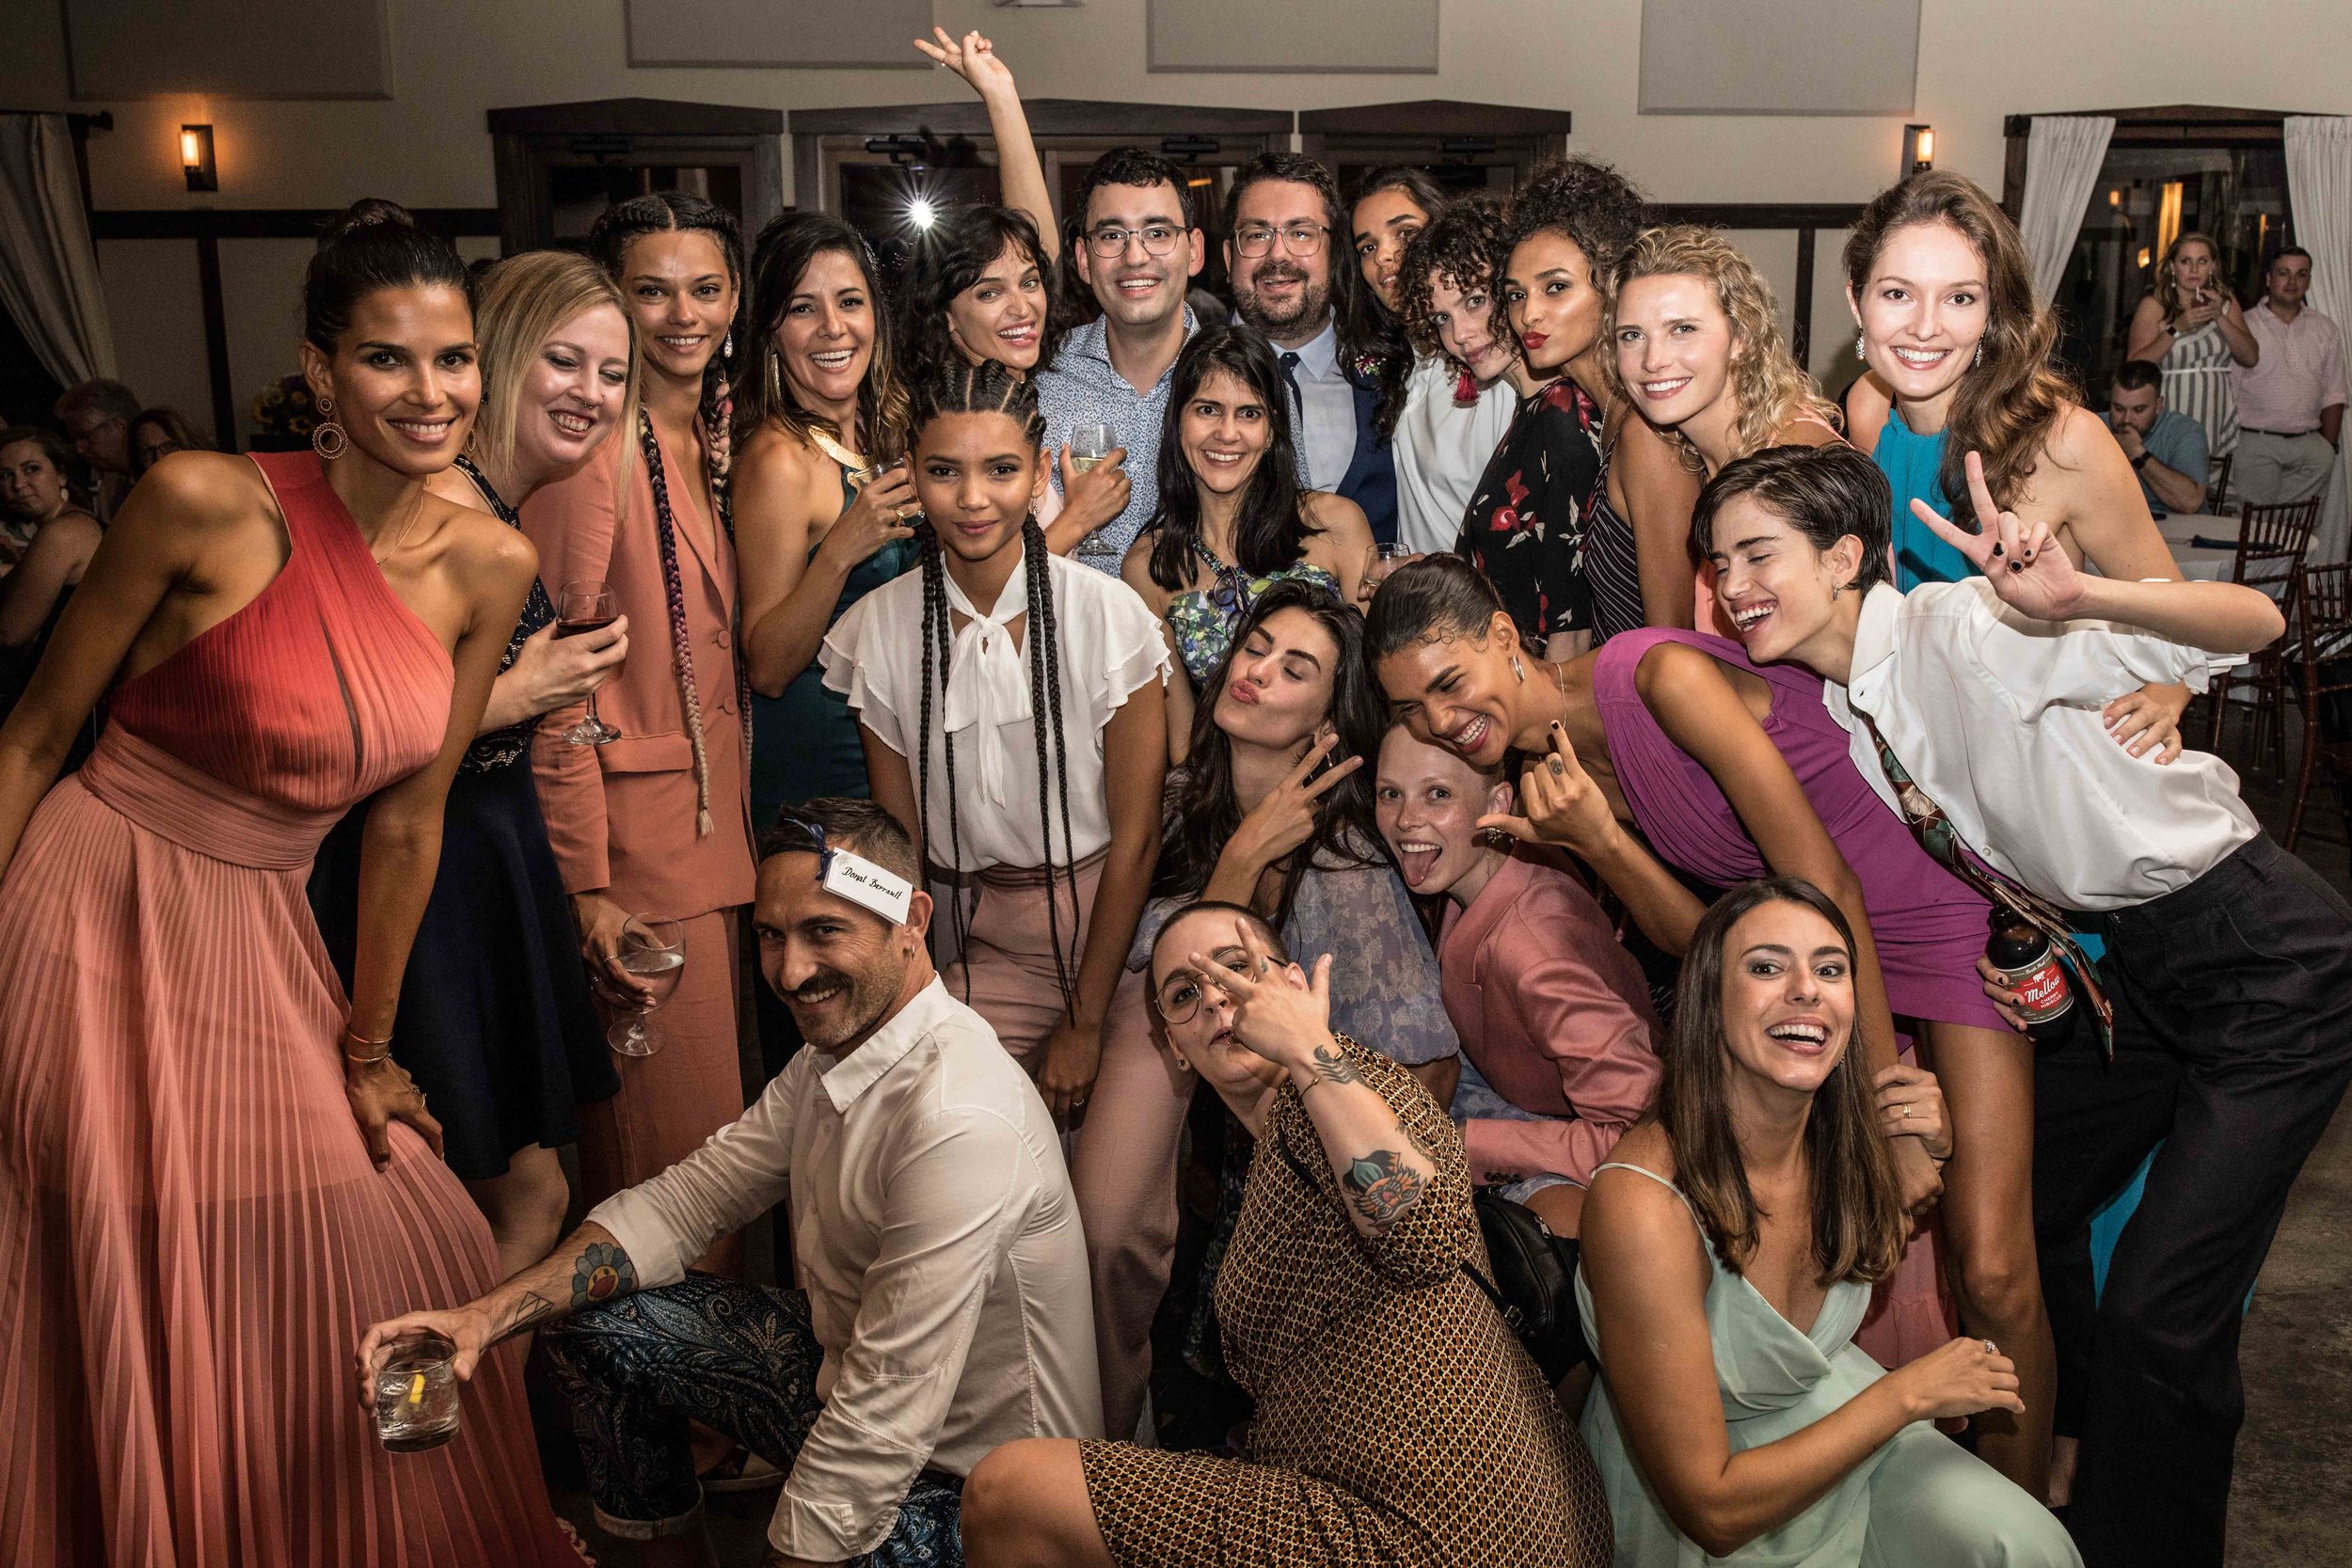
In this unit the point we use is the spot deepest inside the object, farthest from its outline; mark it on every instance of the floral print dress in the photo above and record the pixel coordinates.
(1526, 522)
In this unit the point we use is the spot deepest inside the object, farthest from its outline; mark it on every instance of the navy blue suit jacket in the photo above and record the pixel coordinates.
(1371, 478)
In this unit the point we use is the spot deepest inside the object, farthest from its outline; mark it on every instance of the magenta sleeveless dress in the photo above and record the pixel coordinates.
(196, 1237)
(1929, 926)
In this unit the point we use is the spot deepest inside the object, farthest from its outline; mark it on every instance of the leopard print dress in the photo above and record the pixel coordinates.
(1398, 1425)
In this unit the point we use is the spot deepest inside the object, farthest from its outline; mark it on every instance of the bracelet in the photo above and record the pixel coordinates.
(384, 1049)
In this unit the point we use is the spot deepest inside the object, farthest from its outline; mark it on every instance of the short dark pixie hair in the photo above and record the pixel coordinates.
(2133, 375)
(1824, 493)
(1243, 912)
(1133, 166)
(861, 827)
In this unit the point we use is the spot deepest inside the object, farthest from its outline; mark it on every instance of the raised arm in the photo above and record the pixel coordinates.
(1020, 174)
(1648, 1277)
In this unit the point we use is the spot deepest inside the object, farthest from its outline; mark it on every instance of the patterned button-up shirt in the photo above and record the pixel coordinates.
(1081, 387)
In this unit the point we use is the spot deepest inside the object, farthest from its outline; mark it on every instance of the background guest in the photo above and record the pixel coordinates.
(1234, 518)
(1760, 1198)
(1451, 420)
(1288, 228)
(1139, 248)
(158, 433)
(2167, 449)
(2291, 400)
(52, 541)
(1557, 1032)
(2191, 325)
(97, 416)
(36, 485)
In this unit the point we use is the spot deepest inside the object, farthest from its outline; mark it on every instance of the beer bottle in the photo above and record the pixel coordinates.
(2028, 966)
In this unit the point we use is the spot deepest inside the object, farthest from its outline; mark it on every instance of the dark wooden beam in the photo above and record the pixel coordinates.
(1758, 215)
(217, 343)
(1436, 117)
(1800, 308)
(636, 117)
(267, 222)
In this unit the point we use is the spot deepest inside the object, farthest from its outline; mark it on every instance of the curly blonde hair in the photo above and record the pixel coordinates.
(1772, 389)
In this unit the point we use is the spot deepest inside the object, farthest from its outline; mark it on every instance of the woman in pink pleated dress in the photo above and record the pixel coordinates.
(212, 1175)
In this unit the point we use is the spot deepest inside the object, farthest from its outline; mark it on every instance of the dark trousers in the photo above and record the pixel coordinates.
(738, 1358)
(2233, 1045)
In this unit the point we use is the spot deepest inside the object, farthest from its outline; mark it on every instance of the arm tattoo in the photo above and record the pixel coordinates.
(602, 1272)
(1382, 1187)
(526, 1309)
(1332, 1064)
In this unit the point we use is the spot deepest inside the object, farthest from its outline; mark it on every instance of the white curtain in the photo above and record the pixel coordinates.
(2319, 188)
(2062, 157)
(48, 269)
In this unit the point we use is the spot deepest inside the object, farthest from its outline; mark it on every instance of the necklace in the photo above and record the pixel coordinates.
(416, 509)
(1561, 672)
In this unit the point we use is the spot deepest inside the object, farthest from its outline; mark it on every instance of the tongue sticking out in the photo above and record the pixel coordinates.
(1417, 864)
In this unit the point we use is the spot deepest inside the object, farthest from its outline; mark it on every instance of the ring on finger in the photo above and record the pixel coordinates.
(1906, 1113)
(1992, 1348)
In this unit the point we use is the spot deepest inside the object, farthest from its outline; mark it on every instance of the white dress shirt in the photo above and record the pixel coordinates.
(1995, 716)
(1440, 450)
(1326, 408)
(1111, 644)
(935, 1233)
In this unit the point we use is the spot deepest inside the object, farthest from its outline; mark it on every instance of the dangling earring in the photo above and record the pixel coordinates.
(1517, 669)
(1836, 589)
(1979, 358)
(328, 438)
(726, 346)
(1860, 351)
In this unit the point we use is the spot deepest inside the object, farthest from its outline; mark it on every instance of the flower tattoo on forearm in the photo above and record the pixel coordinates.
(1382, 1186)
(602, 1272)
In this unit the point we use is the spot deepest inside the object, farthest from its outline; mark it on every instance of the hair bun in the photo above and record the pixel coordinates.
(368, 211)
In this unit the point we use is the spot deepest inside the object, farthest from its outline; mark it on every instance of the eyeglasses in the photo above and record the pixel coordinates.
(1108, 241)
(1299, 239)
(1180, 993)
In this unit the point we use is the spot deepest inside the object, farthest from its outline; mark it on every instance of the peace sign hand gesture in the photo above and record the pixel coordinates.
(1286, 818)
(1564, 805)
(1278, 1011)
(973, 58)
(2025, 564)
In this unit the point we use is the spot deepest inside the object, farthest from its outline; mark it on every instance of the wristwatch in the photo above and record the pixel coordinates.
(2141, 461)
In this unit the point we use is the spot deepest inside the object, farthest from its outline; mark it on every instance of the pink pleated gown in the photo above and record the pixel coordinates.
(192, 1237)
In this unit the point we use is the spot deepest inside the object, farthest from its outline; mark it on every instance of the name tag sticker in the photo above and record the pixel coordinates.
(868, 885)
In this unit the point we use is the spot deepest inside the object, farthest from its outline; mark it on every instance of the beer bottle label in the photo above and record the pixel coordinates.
(2042, 993)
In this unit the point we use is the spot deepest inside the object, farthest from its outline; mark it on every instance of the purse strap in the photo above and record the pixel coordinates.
(1478, 1278)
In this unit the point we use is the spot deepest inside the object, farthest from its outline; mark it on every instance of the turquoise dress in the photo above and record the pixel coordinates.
(804, 743)
(1911, 463)
(1921, 1502)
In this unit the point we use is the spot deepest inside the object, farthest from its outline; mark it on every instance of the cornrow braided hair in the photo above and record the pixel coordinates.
(715, 463)
(990, 387)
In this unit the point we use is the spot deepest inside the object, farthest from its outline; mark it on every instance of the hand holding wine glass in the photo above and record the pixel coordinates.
(585, 607)
(652, 954)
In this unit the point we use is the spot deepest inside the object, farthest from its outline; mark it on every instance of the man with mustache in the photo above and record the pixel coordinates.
(1287, 220)
(944, 1307)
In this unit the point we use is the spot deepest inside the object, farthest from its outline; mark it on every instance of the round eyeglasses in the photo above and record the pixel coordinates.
(1181, 993)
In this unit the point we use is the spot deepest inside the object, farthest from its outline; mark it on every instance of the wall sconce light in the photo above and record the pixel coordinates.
(1918, 149)
(196, 158)
(2115, 199)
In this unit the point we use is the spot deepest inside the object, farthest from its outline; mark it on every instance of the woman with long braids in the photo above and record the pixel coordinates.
(657, 822)
(1012, 710)
(1272, 808)
(212, 1166)
(495, 1018)
(1233, 518)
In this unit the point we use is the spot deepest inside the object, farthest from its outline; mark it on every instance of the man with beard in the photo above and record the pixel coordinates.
(1287, 222)
(1136, 247)
(944, 1307)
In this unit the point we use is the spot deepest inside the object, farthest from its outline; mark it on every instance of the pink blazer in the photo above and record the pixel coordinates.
(1555, 1014)
(621, 815)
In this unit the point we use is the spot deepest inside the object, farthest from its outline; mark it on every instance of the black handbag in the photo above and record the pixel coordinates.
(1535, 1282)
(1534, 1286)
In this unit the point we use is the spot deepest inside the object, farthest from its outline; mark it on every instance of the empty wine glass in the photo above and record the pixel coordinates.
(653, 953)
(587, 606)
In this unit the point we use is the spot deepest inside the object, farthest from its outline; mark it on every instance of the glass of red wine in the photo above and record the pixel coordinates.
(581, 607)
(652, 953)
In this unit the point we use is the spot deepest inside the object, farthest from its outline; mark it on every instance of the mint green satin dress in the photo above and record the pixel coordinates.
(1921, 1502)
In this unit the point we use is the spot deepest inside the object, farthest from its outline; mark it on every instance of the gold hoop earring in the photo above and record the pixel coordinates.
(1517, 669)
(328, 438)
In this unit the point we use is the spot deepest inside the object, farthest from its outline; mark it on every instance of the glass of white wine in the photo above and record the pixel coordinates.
(1089, 445)
(652, 953)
